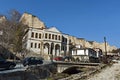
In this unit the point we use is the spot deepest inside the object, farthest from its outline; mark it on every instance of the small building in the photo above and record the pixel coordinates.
(84, 54)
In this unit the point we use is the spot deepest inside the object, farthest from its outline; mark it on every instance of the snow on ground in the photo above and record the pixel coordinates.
(108, 73)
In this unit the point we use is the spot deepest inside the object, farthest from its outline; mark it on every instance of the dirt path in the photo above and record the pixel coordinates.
(109, 73)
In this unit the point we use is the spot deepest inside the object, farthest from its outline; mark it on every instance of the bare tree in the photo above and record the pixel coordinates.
(13, 15)
(13, 32)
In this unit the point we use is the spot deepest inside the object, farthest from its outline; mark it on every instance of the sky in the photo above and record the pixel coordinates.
(89, 19)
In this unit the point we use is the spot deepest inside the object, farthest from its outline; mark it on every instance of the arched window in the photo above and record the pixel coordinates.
(31, 45)
(36, 35)
(32, 35)
(39, 45)
(55, 37)
(49, 36)
(46, 35)
(59, 37)
(35, 45)
(39, 35)
(52, 36)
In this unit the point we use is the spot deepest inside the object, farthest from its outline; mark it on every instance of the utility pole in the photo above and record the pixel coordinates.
(105, 50)
(105, 46)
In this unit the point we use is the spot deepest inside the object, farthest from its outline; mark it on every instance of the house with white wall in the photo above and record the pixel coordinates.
(39, 41)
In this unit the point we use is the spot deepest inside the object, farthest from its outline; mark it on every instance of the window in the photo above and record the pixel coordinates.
(52, 36)
(39, 45)
(40, 36)
(36, 35)
(32, 35)
(49, 36)
(35, 45)
(59, 37)
(31, 45)
(55, 37)
(46, 35)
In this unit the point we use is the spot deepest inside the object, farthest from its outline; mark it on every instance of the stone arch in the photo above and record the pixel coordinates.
(57, 50)
(46, 48)
(72, 70)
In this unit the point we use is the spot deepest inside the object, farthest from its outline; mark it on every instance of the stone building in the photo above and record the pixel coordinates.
(40, 41)
(44, 41)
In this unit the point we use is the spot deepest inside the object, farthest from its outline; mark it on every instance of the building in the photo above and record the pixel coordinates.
(84, 54)
(41, 41)
(44, 41)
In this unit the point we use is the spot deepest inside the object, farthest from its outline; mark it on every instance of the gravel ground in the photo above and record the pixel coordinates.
(109, 73)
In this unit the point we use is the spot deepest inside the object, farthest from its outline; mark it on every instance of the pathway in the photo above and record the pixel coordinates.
(109, 73)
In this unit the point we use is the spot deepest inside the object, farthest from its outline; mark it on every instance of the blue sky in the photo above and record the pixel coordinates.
(89, 19)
